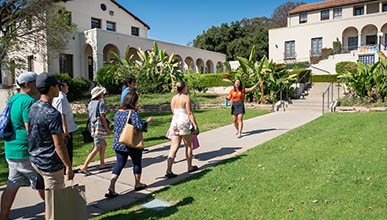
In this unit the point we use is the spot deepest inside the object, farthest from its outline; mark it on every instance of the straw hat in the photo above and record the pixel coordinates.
(97, 91)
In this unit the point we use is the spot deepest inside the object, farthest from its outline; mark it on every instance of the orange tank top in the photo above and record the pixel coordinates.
(237, 95)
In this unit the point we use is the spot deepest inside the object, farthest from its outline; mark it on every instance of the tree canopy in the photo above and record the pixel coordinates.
(237, 39)
(40, 23)
(279, 18)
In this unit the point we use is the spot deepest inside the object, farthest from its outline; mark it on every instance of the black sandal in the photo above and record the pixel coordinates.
(111, 194)
(193, 169)
(170, 175)
(140, 187)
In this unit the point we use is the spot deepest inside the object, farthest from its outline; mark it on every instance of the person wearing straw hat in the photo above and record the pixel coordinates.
(96, 108)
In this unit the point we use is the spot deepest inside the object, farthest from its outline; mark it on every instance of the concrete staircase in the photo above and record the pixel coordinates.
(312, 101)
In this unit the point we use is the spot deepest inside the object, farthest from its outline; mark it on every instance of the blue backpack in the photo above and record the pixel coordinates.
(6, 130)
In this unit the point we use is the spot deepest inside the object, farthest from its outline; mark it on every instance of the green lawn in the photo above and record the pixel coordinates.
(331, 168)
(207, 119)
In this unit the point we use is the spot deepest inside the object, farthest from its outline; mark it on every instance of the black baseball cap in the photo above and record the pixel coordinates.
(46, 79)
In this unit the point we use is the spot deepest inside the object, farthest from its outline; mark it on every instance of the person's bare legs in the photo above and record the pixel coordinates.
(7, 199)
(42, 194)
(102, 155)
(175, 142)
(113, 180)
(240, 124)
(137, 180)
(235, 120)
(89, 158)
(187, 139)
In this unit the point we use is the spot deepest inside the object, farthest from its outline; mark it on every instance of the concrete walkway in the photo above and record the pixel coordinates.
(216, 145)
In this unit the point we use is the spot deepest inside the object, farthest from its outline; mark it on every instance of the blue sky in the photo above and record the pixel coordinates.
(179, 21)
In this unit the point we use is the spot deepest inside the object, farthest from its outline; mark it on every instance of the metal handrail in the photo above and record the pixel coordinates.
(329, 92)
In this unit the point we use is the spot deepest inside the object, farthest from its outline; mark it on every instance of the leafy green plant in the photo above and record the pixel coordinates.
(195, 81)
(346, 66)
(275, 78)
(369, 80)
(158, 71)
(106, 77)
(78, 86)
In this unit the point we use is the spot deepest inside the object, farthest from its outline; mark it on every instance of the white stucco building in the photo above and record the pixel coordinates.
(104, 26)
(359, 25)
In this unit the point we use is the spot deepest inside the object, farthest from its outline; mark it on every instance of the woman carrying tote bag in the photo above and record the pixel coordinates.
(129, 105)
(97, 114)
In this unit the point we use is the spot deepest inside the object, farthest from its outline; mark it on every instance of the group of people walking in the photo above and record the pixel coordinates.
(40, 153)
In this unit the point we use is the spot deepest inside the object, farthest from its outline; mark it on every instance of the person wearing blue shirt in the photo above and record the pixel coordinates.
(129, 105)
(130, 81)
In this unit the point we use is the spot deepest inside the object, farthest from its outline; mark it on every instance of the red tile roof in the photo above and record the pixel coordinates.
(325, 4)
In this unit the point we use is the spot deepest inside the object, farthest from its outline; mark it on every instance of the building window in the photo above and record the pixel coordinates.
(358, 11)
(324, 15)
(337, 12)
(384, 7)
(66, 64)
(352, 43)
(290, 52)
(135, 31)
(316, 46)
(385, 41)
(30, 60)
(371, 40)
(303, 18)
(110, 26)
(95, 23)
(367, 59)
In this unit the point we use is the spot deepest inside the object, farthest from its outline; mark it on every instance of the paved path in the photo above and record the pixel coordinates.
(216, 145)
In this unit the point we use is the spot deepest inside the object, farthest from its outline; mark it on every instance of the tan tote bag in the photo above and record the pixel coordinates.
(66, 203)
(131, 136)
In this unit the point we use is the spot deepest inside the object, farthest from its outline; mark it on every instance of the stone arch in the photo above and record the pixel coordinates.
(209, 67)
(107, 55)
(369, 35)
(89, 69)
(219, 67)
(349, 35)
(178, 60)
(132, 52)
(189, 63)
(200, 65)
(383, 39)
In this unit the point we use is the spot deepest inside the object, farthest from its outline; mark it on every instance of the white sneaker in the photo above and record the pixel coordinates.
(239, 135)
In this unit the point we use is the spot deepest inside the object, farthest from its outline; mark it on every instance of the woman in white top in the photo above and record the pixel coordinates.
(62, 104)
(182, 127)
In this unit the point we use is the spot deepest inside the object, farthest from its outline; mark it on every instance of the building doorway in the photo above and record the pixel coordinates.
(90, 67)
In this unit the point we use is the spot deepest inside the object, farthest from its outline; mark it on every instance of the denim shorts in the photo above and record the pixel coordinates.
(98, 142)
(21, 173)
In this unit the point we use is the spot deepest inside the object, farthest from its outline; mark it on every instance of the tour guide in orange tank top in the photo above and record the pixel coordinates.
(238, 106)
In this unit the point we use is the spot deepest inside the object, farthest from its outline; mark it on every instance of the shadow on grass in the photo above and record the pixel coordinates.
(145, 213)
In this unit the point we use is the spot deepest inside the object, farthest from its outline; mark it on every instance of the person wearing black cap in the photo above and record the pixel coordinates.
(21, 173)
(47, 149)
